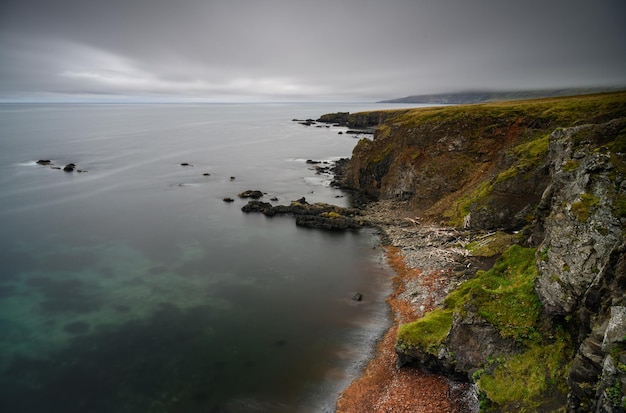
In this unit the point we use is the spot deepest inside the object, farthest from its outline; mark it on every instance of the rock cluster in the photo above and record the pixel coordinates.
(319, 215)
(70, 167)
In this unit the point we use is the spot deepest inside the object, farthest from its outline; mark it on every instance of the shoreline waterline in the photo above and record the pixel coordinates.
(417, 289)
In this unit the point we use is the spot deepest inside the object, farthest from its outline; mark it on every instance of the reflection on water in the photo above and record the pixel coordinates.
(122, 291)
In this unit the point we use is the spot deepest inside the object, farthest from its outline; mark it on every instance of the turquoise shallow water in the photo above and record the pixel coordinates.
(134, 288)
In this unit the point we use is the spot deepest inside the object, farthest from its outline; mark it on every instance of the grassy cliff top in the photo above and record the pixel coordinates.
(448, 161)
(567, 111)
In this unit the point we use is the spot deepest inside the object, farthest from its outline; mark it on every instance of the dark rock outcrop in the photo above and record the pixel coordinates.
(319, 216)
(251, 193)
(339, 118)
(363, 121)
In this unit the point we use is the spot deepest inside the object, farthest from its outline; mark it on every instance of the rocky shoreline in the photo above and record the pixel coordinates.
(537, 189)
(533, 194)
(428, 263)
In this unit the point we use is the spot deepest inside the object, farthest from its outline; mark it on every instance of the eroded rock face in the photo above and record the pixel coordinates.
(582, 228)
(470, 344)
(595, 379)
(582, 260)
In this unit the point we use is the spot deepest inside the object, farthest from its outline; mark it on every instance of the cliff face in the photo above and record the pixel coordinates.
(545, 328)
(582, 261)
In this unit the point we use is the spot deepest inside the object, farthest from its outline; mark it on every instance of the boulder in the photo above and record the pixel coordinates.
(69, 167)
(44, 162)
(250, 193)
(256, 206)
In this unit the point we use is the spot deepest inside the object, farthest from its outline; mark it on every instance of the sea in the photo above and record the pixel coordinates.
(132, 286)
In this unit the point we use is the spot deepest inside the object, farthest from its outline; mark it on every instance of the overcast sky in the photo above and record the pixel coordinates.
(292, 50)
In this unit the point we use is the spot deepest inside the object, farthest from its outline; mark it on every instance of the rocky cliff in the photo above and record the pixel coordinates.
(544, 182)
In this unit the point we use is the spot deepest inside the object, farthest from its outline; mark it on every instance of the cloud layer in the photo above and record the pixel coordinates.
(296, 50)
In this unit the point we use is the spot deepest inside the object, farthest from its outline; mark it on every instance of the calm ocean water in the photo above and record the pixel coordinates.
(134, 288)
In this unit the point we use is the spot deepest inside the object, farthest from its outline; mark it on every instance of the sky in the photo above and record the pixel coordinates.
(293, 50)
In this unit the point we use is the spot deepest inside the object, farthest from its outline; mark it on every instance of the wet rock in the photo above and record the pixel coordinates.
(69, 167)
(250, 193)
(257, 206)
(228, 199)
(357, 297)
(44, 162)
(319, 216)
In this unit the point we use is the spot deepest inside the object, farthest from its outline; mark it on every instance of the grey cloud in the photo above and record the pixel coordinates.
(278, 49)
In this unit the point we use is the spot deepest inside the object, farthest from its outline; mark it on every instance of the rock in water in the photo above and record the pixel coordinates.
(254, 194)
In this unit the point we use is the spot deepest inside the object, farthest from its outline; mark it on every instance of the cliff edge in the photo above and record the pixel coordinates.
(541, 187)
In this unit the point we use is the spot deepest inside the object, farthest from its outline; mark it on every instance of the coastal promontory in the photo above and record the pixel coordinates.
(523, 204)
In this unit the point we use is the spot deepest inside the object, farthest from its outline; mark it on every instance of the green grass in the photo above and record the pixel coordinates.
(582, 209)
(463, 205)
(426, 333)
(548, 113)
(490, 245)
(521, 381)
(570, 165)
(504, 297)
